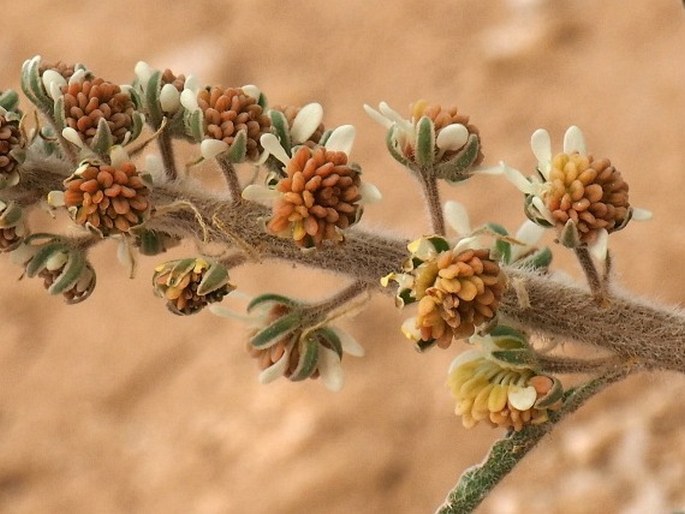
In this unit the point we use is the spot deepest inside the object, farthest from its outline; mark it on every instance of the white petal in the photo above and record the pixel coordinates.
(598, 249)
(56, 198)
(210, 148)
(516, 177)
(529, 233)
(276, 370)
(409, 329)
(641, 214)
(192, 84)
(541, 145)
(422, 248)
(341, 139)
(369, 193)
(522, 398)
(78, 76)
(56, 261)
(391, 114)
(543, 210)
(271, 144)
(154, 165)
(53, 82)
(306, 122)
(118, 156)
(457, 217)
(330, 369)
(574, 141)
(189, 99)
(469, 243)
(452, 137)
(143, 72)
(349, 343)
(169, 98)
(378, 117)
(488, 170)
(252, 90)
(72, 136)
(225, 312)
(262, 194)
(464, 357)
(125, 256)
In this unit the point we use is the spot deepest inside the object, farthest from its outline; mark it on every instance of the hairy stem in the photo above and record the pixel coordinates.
(355, 289)
(553, 364)
(432, 197)
(166, 149)
(597, 285)
(231, 178)
(628, 327)
(477, 482)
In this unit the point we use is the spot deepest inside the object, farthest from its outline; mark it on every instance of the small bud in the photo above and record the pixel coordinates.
(64, 269)
(189, 285)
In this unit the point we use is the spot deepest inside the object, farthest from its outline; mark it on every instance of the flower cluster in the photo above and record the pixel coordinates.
(189, 285)
(492, 389)
(584, 198)
(319, 193)
(284, 346)
(457, 290)
(107, 198)
(63, 268)
(294, 125)
(435, 140)
(11, 148)
(227, 121)
(12, 227)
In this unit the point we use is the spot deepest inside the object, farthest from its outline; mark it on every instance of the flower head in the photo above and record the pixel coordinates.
(12, 226)
(284, 346)
(11, 149)
(583, 197)
(64, 269)
(435, 138)
(492, 390)
(294, 125)
(189, 285)
(457, 290)
(107, 198)
(160, 92)
(227, 121)
(94, 113)
(318, 194)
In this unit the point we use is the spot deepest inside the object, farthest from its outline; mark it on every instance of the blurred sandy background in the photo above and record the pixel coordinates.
(115, 406)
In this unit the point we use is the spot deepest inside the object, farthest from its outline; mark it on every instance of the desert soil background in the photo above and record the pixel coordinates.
(116, 406)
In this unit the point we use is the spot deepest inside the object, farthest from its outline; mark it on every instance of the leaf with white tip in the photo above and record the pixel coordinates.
(279, 124)
(309, 349)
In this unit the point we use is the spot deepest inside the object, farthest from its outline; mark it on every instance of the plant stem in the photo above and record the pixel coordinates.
(475, 484)
(231, 177)
(166, 149)
(553, 364)
(432, 197)
(342, 297)
(597, 285)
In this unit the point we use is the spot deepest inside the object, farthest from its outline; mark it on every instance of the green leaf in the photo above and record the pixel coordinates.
(180, 270)
(194, 124)
(553, 396)
(458, 167)
(238, 150)
(282, 327)
(9, 100)
(214, 278)
(309, 359)
(273, 298)
(330, 340)
(103, 140)
(439, 243)
(70, 273)
(59, 115)
(541, 259)
(390, 143)
(152, 89)
(569, 236)
(517, 357)
(280, 125)
(425, 142)
(32, 85)
(39, 260)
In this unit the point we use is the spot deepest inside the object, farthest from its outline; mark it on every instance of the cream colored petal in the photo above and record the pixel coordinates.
(641, 214)
(330, 369)
(599, 247)
(516, 177)
(154, 165)
(529, 233)
(262, 194)
(306, 122)
(452, 137)
(169, 98)
(143, 72)
(251, 90)
(78, 76)
(378, 117)
(409, 329)
(118, 156)
(276, 370)
(522, 398)
(189, 99)
(341, 139)
(271, 144)
(457, 217)
(349, 343)
(72, 136)
(210, 148)
(56, 198)
(463, 358)
(541, 144)
(369, 193)
(574, 141)
(53, 82)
